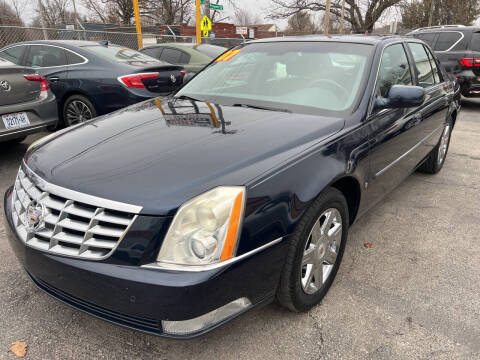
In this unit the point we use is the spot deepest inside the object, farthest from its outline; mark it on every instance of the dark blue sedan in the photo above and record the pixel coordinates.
(176, 215)
(94, 78)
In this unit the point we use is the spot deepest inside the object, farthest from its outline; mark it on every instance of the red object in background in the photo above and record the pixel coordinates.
(44, 86)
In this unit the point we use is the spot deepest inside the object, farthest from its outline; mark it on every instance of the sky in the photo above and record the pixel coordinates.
(260, 6)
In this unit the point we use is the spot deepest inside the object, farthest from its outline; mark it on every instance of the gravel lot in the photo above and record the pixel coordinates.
(415, 294)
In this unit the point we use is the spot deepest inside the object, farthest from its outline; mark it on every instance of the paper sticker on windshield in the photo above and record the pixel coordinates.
(228, 56)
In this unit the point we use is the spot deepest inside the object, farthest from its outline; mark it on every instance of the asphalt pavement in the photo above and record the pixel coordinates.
(414, 295)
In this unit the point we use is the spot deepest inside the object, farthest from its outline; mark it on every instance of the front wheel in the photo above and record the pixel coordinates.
(315, 252)
(435, 160)
(77, 109)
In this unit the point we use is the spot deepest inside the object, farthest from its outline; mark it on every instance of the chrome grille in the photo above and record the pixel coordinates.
(71, 227)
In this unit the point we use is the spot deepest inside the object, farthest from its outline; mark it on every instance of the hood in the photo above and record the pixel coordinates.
(158, 154)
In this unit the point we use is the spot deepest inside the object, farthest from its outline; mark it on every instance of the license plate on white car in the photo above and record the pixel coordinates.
(15, 121)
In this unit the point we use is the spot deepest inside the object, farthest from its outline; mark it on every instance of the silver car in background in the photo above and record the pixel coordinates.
(26, 103)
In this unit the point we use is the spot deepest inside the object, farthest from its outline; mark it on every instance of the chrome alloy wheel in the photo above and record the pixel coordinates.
(77, 112)
(321, 250)
(443, 146)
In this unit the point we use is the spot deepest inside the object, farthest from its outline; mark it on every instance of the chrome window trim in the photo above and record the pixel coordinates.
(462, 35)
(372, 95)
(199, 268)
(455, 44)
(56, 66)
(78, 196)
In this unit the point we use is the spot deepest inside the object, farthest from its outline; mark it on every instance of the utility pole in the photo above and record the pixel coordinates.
(206, 9)
(197, 22)
(42, 20)
(343, 17)
(327, 17)
(138, 25)
(430, 17)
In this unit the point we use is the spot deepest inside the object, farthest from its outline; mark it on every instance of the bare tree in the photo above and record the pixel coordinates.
(301, 22)
(360, 14)
(8, 16)
(245, 17)
(54, 12)
(110, 11)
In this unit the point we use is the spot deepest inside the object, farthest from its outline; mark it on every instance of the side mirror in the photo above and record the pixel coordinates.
(188, 76)
(401, 96)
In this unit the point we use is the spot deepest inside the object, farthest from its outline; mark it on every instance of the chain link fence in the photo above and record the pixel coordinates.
(13, 34)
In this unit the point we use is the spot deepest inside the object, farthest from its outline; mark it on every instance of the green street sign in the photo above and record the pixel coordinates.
(201, 2)
(216, 7)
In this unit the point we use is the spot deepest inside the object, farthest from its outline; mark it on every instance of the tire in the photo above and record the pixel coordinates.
(76, 109)
(294, 292)
(435, 160)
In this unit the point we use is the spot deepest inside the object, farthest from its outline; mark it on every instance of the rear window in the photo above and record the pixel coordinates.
(73, 58)
(119, 54)
(475, 41)
(446, 40)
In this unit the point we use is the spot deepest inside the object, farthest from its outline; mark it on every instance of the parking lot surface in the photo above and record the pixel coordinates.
(414, 294)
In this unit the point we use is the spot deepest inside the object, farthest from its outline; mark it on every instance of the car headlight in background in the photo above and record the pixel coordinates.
(205, 229)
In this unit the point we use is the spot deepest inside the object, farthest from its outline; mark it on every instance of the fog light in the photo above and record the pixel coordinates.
(206, 321)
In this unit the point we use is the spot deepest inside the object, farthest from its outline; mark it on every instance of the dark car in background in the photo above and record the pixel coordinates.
(94, 78)
(458, 49)
(26, 103)
(178, 214)
(193, 57)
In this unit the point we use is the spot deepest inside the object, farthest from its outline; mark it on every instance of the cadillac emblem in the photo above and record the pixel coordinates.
(173, 79)
(34, 216)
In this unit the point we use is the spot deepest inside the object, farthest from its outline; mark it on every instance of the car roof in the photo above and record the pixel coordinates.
(73, 43)
(444, 28)
(359, 39)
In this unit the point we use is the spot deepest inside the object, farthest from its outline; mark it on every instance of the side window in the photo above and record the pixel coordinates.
(422, 65)
(394, 69)
(45, 56)
(436, 72)
(153, 52)
(73, 58)
(185, 58)
(13, 54)
(429, 38)
(171, 56)
(475, 44)
(446, 40)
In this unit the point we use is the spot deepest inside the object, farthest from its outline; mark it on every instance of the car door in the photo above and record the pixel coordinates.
(51, 62)
(393, 132)
(433, 111)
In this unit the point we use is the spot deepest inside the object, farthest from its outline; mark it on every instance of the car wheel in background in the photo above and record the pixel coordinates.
(77, 109)
(315, 252)
(436, 158)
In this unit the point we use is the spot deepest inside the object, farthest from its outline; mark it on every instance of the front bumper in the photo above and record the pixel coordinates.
(140, 297)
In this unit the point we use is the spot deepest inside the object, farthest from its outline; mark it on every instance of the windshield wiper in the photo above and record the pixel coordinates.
(262, 107)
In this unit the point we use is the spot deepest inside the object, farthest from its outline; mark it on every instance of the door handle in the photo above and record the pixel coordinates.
(53, 79)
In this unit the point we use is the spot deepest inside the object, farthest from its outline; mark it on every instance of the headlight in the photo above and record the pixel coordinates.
(205, 229)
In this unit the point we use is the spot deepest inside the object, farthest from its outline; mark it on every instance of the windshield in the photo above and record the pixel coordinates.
(120, 54)
(296, 76)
